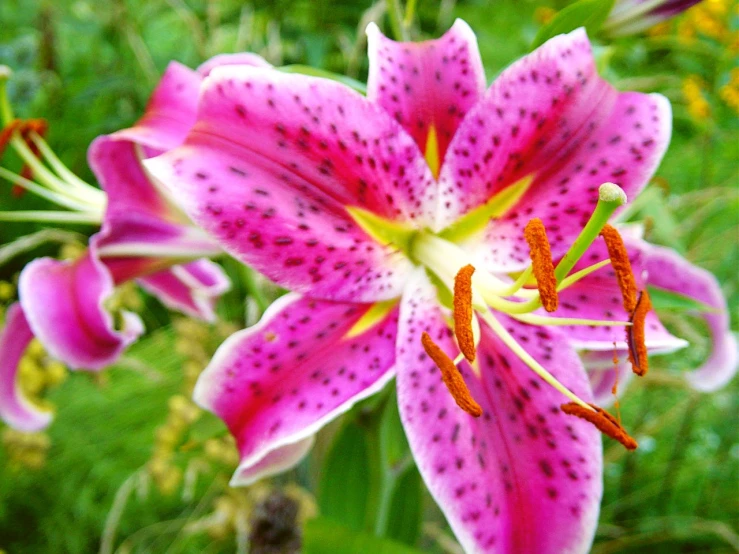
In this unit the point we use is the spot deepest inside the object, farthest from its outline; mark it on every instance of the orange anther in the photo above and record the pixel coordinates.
(463, 312)
(636, 337)
(541, 260)
(7, 133)
(603, 421)
(621, 265)
(451, 376)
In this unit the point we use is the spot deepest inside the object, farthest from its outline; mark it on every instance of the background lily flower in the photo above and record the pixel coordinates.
(355, 203)
(629, 17)
(143, 236)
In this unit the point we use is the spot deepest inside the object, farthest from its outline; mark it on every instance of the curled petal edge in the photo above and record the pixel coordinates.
(16, 410)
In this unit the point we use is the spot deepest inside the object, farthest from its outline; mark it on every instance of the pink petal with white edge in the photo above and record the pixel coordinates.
(64, 303)
(170, 112)
(551, 118)
(598, 297)
(270, 174)
(276, 461)
(141, 228)
(624, 147)
(277, 383)
(604, 374)
(192, 288)
(240, 58)
(666, 269)
(118, 169)
(524, 477)
(15, 410)
(424, 84)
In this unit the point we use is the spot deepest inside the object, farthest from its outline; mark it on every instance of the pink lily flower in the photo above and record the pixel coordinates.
(367, 209)
(143, 236)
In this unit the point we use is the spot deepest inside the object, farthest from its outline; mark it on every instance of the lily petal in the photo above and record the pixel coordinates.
(271, 166)
(170, 112)
(598, 297)
(240, 58)
(191, 288)
(64, 303)
(523, 477)
(277, 383)
(667, 270)
(15, 410)
(424, 85)
(550, 121)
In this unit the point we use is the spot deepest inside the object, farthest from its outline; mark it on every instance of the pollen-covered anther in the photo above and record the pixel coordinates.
(451, 376)
(621, 266)
(463, 312)
(541, 261)
(603, 421)
(7, 132)
(635, 335)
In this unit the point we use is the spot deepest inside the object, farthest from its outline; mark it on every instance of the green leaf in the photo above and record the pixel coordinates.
(404, 520)
(590, 14)
(393, 443)
(317, 72)
(345, 478)
(323, 536)
(667, 300)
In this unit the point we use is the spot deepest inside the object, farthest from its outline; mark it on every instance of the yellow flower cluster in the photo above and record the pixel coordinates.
(710, 18)
(25, 450)
(693, 92)
(196, 342)
(168, 440)
(730, 91)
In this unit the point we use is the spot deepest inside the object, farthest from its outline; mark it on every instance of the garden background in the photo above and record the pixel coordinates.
(130, 465)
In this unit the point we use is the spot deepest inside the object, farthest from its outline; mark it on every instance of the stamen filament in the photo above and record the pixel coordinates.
(575, 277)
(439, 255)
(610, 198)
(159, 251)
(603, 421)
(536, 319)
(38, 190)
(48, 178)
(463, 312)
(52, 216)
(520, 281)
(451, 376)
(62, 170)
(526, 358)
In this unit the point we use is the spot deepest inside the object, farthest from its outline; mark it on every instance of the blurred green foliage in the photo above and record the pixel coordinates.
(88, 67)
